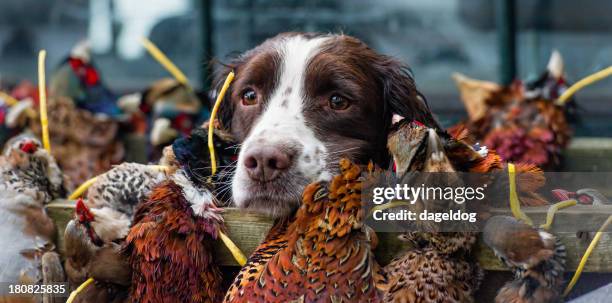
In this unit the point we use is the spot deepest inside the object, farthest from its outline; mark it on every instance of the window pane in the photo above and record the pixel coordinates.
(114, 29)
(436, 38)
(582, 32)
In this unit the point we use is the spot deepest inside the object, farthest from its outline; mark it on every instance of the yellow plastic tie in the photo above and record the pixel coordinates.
(586, 256)
(211, 122)
(42, 94)
(236, 252)
(550, 215)
(82, 188)
(515, 204)
(79, 289)
(604, 73)
(165, 62)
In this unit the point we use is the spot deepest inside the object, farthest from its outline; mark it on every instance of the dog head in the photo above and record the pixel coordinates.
(301, 101)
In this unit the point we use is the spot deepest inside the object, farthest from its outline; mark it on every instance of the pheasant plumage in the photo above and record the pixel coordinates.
(324, 254)
(94, 237)
(520, 121)
(439, 268)
(29, 179)
(428, 275)
(170, 245)
(536, 257)
(85, 145)
(78, 78)
(123, 187)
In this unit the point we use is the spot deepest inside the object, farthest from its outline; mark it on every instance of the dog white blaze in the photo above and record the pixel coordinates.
(282, 123)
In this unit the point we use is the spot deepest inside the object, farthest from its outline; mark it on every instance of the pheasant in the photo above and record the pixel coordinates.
(439, 268)
(94, 237)
(323, 254)
(521, 122)
(88, 255)
(410, 142)
(29, 179)
(78, 78)
(166, 110)
(536, 257)
(584, 196)
(85, 144)
(169, 245)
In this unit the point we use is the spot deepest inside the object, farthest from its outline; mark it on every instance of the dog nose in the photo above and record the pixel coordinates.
(265, 163)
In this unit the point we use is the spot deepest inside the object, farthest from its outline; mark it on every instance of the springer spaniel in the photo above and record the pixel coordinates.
(299, 102)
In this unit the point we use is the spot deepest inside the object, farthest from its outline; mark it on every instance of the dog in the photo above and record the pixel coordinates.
(300, 102)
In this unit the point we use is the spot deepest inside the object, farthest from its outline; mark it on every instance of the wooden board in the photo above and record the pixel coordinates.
(247, 230)
(588, 155)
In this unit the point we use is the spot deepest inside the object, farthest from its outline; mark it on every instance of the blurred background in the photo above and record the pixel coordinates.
(436, 38)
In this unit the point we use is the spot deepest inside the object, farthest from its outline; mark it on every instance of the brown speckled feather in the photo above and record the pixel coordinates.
(325, 255)
(431, 276)
(439, 268)
(170, 250)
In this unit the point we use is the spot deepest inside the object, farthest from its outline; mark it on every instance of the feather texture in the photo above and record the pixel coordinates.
(322, 255)
(170, 249)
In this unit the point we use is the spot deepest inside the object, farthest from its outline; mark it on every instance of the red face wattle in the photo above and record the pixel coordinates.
(28, 146)
(83, 213)
(85, 217)
(585, 199)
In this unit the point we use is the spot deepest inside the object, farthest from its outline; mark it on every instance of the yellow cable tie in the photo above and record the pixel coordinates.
(588, 80)
(82, 188)
(160, 57)
(79, 289)
(586, 256)
(552, 210)
(42, 94)
(211, 122)
(236, 252)
(515, 204)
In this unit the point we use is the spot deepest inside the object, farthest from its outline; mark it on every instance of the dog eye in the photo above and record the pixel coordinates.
(249, 97)
(338, 103)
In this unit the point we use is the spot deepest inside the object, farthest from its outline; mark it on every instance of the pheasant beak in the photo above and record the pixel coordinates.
(28, 146)
(563, 195)
(436, 158)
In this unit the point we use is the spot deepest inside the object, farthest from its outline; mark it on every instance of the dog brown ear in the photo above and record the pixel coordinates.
(401, 96)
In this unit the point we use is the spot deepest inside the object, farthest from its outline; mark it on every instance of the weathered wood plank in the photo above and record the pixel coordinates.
(247, 230)
(61, 211)
(588, 155)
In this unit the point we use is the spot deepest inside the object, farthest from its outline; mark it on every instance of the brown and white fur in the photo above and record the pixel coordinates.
(299, 102)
